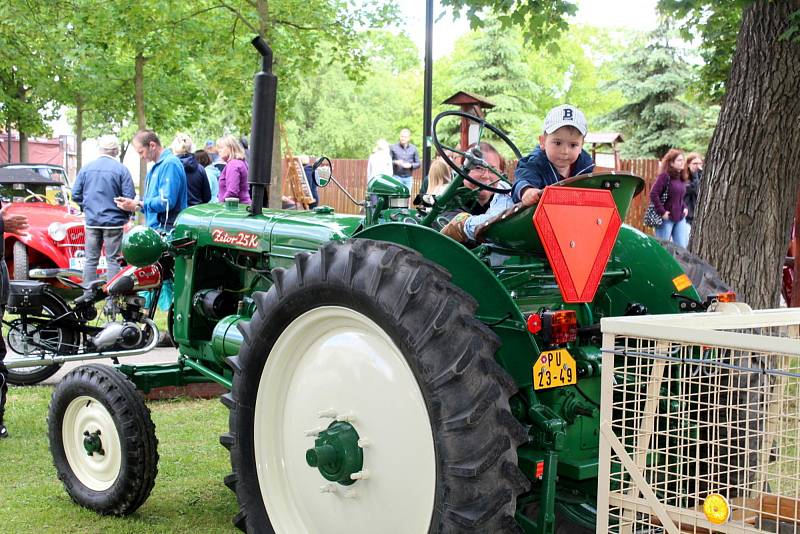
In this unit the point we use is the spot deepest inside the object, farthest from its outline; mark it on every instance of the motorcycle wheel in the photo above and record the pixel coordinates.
(57, 340)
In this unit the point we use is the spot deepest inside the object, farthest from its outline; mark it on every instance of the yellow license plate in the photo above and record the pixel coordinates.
(554, 368)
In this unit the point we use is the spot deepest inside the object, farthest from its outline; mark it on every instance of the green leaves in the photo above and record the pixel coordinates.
(540, 21)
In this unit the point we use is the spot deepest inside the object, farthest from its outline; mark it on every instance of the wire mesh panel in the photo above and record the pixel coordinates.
(700, 423)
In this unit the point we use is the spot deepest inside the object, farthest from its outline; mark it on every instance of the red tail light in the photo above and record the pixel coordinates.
(728, 296)
(559, 327)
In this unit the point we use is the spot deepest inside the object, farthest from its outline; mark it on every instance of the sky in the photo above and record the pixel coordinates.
(633, 14)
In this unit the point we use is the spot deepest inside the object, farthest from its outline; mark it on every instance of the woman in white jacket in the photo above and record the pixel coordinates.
(380, 161)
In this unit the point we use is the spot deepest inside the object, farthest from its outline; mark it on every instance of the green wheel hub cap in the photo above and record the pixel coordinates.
(336, 453)
(92, 443)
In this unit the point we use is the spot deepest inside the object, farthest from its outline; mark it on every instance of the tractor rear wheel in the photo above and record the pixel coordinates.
(366, 398)
(102, 440)
(732, 404)
(705, 278)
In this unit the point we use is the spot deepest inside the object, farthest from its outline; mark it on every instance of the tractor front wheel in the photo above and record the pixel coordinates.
(366, 398)
(102, 440)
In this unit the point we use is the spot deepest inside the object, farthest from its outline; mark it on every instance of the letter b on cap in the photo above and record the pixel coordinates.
(568, 114)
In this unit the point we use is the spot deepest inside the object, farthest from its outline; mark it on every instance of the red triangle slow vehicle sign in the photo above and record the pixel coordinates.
(578, 228)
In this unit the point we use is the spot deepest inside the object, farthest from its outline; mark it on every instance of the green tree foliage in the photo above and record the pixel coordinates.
(493, 68)
(343, 118)
(715, 25)
(305, 36)
(655, 116)
(28, 67)
(541, 21)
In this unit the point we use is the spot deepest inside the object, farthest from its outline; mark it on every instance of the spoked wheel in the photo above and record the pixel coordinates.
(102, 440)
(366, 398)
(37, 338)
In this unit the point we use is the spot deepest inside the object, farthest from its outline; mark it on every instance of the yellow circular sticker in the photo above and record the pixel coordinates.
(717, 509)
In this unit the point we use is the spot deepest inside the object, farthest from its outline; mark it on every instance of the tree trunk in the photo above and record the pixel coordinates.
(747, 202)
(794, 298)
(23, 147)
(79, 132)
(276, 179)
(138, 84)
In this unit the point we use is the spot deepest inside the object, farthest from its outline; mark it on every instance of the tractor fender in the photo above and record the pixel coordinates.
(655, 275)
(495, 307)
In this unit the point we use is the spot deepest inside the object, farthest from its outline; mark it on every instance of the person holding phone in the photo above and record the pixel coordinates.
(166, 192)
(97, 188)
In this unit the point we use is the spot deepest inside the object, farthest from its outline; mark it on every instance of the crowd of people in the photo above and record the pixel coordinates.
(673, 197)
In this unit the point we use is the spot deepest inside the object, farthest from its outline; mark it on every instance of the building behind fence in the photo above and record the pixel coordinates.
(352, 174)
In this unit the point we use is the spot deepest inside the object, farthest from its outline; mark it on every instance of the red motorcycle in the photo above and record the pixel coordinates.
(43, 330)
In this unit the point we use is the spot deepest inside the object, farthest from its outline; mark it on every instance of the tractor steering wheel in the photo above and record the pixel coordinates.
(473, 157)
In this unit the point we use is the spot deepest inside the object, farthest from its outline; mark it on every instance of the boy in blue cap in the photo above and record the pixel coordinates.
(559, 155)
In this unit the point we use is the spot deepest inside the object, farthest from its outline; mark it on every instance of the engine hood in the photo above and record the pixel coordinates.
(281, 233)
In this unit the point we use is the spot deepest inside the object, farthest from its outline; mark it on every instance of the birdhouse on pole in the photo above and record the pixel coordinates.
(604, 149)
(474, 105)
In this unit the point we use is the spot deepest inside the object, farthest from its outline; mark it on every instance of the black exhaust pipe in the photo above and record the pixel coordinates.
(262, 129)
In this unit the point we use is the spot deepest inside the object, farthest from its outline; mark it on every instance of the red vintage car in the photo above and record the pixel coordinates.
(55, 237)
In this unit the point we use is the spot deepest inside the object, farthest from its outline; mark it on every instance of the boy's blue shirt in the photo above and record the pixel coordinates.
(535, 170)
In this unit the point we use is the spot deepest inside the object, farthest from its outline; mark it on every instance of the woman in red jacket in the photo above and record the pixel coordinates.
(673, 178)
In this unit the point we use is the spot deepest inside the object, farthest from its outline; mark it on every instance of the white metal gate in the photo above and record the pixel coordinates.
(700, 423)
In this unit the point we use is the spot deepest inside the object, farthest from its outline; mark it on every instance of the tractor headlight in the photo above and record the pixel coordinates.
(57, 231)
(398, 202)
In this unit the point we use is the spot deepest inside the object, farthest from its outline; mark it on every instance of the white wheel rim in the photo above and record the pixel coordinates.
(333, 358)
(99, 471)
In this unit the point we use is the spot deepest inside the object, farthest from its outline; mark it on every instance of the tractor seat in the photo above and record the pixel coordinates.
(512, 228)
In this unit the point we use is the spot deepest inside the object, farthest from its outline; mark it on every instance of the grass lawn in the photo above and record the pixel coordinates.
(189, 495)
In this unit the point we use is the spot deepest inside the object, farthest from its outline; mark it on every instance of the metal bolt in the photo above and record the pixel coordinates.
(348, 417)
(179, 317)
(328, 488)
(360, 475)
(599, 221)
(572, 244)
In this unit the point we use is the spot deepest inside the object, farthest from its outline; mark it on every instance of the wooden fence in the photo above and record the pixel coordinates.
(352, 174)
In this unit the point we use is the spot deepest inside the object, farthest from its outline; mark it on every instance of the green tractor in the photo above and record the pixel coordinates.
(383, 377)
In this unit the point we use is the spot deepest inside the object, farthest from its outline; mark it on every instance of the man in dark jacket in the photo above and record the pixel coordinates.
(404, 158)
(13, 224)
(559, 155)
(95, 189)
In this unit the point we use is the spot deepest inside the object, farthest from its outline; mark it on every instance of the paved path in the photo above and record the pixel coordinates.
(159, 355)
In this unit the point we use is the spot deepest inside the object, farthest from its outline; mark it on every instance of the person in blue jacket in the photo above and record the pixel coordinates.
(559, 155)
(165, 192)
(197, 187)
(95, 189)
